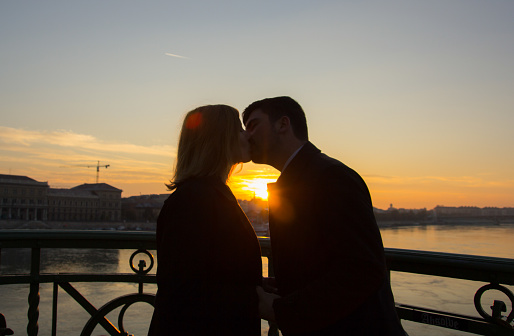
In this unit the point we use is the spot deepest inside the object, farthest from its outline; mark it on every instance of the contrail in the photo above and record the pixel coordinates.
(173, 55)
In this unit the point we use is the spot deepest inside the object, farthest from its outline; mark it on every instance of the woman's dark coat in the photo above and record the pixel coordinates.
(209, 264)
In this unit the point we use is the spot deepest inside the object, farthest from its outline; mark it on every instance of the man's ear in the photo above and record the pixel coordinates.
(283, 125)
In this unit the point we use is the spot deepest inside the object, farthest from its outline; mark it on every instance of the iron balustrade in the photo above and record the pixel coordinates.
(495, 272)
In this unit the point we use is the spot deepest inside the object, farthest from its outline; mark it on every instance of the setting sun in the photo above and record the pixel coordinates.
(258, 186)
(252, 180)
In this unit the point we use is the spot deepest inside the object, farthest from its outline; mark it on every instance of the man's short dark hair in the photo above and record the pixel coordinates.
(278, 107)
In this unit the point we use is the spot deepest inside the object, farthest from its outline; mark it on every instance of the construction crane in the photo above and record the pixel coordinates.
(98, 169)
(98, 166)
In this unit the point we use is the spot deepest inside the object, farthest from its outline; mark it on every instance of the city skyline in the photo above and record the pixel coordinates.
(253, 191)
(416, 97)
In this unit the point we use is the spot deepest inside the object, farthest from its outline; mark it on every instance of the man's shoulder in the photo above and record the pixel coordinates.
(312, 166)
(327, 168)
(322, 162)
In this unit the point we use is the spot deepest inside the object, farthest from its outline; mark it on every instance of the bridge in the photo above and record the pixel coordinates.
(489, 273)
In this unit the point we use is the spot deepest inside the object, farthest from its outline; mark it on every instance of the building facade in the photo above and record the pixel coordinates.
(23, 198)
(473, 212)
(143, 208)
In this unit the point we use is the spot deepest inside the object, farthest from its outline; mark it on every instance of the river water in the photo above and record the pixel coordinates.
(426, 291)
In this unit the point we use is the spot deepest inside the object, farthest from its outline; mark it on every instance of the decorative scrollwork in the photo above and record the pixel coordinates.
(4, 331)
(498, 306)
(141, 270)
(126, 301)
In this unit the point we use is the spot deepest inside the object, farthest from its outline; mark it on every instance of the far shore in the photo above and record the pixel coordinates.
(150, 226)
(447, 221)
(51, 225)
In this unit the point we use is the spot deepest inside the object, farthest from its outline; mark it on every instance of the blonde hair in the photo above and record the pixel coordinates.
(208, 144)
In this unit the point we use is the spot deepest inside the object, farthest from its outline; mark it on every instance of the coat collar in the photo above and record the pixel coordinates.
(296, 167)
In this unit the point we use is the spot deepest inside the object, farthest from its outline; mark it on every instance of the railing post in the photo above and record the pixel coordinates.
(33, 314)
(273, 328)
(54, 309)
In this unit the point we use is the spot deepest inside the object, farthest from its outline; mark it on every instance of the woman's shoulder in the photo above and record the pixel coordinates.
(191, 197)
(195, 189)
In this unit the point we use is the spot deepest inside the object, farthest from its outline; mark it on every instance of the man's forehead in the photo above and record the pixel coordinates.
(256, 115)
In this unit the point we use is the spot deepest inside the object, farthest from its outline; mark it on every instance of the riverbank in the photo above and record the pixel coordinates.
(149, 226)
(447, 221)
(51, 225)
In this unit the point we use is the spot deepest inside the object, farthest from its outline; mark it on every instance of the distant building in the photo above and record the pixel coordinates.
(86, 202)
(254, 205)
(257, 212)
(143, 208)
(23, 198)
(463, 211)
(401, 214)
(473, 212)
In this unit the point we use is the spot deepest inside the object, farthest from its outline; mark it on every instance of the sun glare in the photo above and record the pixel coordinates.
(257, 186)
(252, 182)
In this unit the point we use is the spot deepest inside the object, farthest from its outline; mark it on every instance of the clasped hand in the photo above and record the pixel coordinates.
(266, 299)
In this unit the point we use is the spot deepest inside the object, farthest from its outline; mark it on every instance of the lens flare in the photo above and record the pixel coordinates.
(194, 120)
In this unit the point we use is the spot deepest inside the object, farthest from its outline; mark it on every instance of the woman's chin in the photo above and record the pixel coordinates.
(244, 158)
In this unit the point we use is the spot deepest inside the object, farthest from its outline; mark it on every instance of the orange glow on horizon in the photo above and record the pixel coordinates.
(253, 183)
(408, 193)
(258, 186)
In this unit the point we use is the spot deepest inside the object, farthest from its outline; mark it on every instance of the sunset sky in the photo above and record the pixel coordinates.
(416, 96)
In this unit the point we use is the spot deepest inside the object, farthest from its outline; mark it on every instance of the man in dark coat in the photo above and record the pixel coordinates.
(328, 255)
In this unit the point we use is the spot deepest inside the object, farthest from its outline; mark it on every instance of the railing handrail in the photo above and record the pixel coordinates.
(77, 239)
(451, 265)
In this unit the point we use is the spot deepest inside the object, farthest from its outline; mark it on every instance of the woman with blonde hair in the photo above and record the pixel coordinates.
(209, 258)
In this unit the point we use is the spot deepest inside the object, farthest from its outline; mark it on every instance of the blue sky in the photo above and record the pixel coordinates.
(417, 96)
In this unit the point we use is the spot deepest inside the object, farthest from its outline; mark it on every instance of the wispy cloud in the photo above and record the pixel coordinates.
(60, 157)
(62, 138)
(175, 55)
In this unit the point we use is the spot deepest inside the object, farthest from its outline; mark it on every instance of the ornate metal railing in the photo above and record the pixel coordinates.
(495, 272)
(36, 240)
